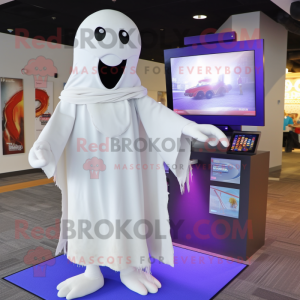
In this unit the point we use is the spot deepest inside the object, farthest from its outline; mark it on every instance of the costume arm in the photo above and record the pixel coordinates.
(54, 136)
(164, 126)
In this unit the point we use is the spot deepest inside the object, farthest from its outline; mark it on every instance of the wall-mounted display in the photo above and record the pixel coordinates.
(225, 170)
(43, 107)
(214, 84)
(224, 201)
(12, 115)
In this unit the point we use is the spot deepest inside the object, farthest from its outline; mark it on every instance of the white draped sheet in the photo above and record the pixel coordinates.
(129, 192)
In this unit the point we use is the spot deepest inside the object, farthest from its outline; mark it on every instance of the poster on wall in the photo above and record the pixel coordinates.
(43, 107)
(12, 115)
(162, 98)
(292, 99)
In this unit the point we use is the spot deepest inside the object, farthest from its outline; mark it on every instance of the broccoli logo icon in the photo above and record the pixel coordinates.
(40, 68)
(94, 165)
(40, 258)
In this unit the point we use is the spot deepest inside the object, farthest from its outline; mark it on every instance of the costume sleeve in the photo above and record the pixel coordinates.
(56, 134)
(164, 130)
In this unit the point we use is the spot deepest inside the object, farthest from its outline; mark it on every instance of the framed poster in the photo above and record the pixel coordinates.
(225, 170)
(224, 201)
(43, 107)
(292, 99)
(162, 98)
(12, 115)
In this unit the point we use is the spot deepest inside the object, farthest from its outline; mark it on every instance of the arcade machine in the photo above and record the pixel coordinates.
(217, 80)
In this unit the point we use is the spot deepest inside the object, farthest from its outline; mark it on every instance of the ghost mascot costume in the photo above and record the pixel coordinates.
(105, 144)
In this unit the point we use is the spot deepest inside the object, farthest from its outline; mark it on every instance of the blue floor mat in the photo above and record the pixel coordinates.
(195, 276)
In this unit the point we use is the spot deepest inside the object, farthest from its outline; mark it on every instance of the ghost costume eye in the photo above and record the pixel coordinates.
(100, 34)
(124, 36)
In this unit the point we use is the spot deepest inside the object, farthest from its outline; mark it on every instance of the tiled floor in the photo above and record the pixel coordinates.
(274, 275)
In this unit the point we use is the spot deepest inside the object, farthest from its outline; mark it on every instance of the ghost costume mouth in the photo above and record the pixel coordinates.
(111, 75)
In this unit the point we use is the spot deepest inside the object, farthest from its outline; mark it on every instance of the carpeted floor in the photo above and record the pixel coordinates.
(14, 179)
(38, 206)
(274, 275)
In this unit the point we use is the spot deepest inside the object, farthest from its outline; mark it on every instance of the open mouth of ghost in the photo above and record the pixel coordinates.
(111, 75)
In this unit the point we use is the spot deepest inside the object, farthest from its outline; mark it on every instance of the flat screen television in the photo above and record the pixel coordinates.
(220, 84)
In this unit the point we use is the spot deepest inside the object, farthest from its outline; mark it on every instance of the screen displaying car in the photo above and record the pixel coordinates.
(206, 88)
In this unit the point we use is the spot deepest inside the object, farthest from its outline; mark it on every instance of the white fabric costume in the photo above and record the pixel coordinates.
(125, 185)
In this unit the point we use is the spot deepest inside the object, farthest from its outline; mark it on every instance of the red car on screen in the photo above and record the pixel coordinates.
(206, 88)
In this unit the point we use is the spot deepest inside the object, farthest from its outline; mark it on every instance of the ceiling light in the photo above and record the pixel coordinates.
(200, 17)
(152, 58)
(10, 30)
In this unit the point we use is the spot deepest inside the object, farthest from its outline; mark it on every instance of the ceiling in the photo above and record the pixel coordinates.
(162, 23)
(284, 4)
